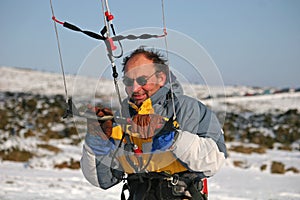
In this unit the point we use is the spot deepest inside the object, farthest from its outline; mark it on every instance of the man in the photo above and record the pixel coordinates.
(171, 143)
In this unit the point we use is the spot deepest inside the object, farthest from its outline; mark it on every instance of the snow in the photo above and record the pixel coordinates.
(265, 103)
(20, 181)
(240, 184)
(37, 179)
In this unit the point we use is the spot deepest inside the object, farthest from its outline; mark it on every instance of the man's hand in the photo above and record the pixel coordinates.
(102, 128)
(146, 125)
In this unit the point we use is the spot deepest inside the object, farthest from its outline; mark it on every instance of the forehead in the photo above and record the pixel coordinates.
(138, 62)
(143, 70)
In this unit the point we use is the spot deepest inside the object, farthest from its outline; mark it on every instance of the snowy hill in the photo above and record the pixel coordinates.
(234, 98)
(37, 82)
(262, 134)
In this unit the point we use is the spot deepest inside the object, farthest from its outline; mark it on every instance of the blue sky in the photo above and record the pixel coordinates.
(254, 43)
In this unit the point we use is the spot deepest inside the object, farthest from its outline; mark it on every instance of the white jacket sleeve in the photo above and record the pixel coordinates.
(198, 153)
(97, 169)
(88, 166)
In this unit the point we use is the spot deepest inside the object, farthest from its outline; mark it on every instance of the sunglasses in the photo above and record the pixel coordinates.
(142, 80)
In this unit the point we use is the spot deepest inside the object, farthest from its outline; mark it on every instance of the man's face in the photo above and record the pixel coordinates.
(139, 66)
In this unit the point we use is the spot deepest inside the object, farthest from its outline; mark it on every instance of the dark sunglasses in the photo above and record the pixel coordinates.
(142, 80)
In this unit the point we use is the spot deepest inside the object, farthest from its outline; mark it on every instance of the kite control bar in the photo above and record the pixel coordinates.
(71, 111)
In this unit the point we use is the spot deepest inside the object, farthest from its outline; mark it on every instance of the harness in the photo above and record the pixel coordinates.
(146, 178)
(138, 158)
(184, 185)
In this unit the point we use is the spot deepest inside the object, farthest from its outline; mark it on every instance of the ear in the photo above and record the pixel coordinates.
(162, 78)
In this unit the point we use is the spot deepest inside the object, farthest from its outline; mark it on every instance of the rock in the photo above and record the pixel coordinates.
(292, 169)
(248, 150)
(277, 168)
(71, 165)
(263, 167)
(16, 155)
(241, 164)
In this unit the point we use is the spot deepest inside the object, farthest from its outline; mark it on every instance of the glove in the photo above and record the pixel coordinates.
(102, 128)
(163, 141)
(98, 145)
(166, 136)
(95, 128)
(146, 125)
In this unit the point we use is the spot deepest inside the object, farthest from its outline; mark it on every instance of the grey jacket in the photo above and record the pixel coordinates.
(200, 145)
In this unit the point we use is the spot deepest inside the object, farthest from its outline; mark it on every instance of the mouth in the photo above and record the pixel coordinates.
(138, 97)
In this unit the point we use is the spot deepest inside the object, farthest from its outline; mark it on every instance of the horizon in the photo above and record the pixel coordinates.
(109, 78)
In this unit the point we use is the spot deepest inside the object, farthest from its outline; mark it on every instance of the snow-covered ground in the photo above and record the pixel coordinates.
(37, 179)
(19, 181)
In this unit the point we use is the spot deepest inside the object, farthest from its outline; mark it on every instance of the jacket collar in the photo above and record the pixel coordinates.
(163, 94)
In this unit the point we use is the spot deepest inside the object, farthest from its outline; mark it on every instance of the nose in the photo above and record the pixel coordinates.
(135, 87)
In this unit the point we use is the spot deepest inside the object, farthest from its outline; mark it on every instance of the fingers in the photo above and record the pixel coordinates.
(107, 127)
(107, 111)
(101, 112)
(103, 128)
(147, 125)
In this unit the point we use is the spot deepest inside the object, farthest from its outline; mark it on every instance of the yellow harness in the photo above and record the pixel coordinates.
(159, 161)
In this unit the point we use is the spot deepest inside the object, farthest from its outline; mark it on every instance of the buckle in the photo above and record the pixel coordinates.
(173, 179)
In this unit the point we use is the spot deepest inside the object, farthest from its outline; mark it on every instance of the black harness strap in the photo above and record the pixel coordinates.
(194, 185)
(196, 195)
(194, 188)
